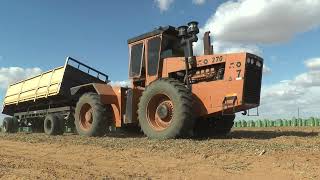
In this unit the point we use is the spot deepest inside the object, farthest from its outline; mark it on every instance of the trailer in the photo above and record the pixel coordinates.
(30, 101)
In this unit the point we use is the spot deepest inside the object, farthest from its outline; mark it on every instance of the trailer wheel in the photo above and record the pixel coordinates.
(10, 125)
(165, 110)
(53, 124)
(215, 126)
(91, 116)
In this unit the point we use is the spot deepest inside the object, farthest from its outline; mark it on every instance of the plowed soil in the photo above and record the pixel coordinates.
(269, 153)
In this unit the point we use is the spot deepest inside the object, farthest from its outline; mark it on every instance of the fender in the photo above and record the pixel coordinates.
(113, 96)
(108, 93)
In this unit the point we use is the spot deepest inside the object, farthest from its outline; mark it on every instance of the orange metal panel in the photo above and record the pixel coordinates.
(113, 96)
(210, 95)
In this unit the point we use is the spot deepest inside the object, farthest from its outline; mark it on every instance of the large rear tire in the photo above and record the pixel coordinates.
(214, 126)
(10, 125)
(91, 116)
(165, 110)
(54, 124)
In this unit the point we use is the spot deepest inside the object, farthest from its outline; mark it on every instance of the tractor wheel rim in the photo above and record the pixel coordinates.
(86, 117)
(160, 112)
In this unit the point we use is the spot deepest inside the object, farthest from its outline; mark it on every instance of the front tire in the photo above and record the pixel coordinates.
(165, 110)
(214, 126)
(91, 116)
(225, 124)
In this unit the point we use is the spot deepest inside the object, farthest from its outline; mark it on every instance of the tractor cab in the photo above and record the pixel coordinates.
(147, 51)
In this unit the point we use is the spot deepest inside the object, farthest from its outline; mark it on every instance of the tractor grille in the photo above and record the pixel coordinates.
(252, 84)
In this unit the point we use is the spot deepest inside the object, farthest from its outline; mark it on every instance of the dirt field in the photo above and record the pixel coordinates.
(286, 153)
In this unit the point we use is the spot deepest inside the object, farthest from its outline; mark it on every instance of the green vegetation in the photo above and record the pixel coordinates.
(312, 121)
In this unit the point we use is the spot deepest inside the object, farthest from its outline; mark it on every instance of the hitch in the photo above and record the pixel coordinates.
(256, 114)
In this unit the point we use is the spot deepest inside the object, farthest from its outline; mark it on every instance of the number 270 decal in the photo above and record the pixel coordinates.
(217, 59)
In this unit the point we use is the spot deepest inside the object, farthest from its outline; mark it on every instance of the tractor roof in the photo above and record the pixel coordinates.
(159, 30)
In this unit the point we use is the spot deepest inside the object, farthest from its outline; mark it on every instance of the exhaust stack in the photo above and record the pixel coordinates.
(208, 48)
(188, 35)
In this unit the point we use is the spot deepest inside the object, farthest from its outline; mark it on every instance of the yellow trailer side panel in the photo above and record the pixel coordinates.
(41, 86)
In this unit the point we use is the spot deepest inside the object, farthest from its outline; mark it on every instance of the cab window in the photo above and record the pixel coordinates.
(137, 52)
(153, 55)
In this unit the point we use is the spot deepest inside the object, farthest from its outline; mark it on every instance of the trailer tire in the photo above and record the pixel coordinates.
(91, 116)
(165, 110)
(214, 126)
(10, 125)
(53, 124)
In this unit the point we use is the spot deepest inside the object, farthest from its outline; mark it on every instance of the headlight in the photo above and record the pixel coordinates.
(258, 63)
(248, 60)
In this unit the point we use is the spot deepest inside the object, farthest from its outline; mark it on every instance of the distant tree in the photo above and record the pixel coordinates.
(312, 121)
(294, 121)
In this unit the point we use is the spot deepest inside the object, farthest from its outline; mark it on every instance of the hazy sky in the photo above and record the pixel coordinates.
(37, 35)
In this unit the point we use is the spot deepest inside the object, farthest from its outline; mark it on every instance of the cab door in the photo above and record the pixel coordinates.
(153, 58)
(137, 64)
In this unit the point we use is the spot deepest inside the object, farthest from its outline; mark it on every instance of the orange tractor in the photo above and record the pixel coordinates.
(172, 94)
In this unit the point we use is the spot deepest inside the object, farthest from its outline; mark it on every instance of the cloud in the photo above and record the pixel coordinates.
(281, 100)
(245, 24)
(313, 64)
(198, 2)
(164, 5)
(311, 78)
(120, 83)
(266, 69)
(10, 75)
(263, 21)
(228, 47)
(308, 79)
(224, 47)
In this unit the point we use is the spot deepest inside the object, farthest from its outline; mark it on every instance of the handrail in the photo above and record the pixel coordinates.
(49, 84)
(79, 64)
(20, 93)
(36, 93)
